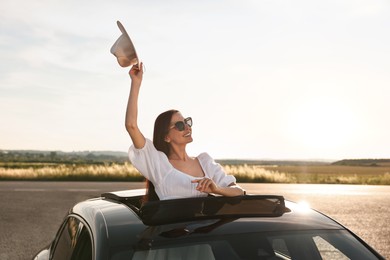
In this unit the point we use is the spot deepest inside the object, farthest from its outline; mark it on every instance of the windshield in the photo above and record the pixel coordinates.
(335, 244)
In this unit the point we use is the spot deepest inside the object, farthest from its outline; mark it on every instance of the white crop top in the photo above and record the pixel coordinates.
(169, 182)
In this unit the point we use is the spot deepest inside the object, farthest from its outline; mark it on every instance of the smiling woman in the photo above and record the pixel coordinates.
(321, 123)
(170, 172)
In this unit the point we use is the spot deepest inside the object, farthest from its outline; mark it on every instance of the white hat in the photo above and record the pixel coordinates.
(123, 49)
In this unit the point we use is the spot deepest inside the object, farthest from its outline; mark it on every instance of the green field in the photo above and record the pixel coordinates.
(114, 166)
(325, 174)
(297, 173)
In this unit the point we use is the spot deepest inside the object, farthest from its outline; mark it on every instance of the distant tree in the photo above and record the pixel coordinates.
(53, 155)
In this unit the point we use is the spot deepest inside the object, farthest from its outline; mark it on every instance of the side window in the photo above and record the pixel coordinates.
(326, 250)
(83, 249)
(280, 248)
(73, 241)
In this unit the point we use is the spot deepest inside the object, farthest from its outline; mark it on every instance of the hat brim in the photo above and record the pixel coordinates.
(124, 50)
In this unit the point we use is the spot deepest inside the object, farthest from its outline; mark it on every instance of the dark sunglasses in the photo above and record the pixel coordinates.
(181, 125)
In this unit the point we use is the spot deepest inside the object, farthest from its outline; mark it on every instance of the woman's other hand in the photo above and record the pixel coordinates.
(206, 185)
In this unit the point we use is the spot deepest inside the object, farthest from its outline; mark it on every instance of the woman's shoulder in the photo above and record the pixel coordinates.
(148, 144)
(148, 152)
(203, 155)
(205, 158)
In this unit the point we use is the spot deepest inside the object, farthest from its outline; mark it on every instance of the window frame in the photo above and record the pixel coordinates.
(80, 226)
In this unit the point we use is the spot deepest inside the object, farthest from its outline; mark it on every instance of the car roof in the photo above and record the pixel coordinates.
(126, 205)
(118, 221)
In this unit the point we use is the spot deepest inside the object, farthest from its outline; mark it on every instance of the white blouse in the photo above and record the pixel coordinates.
(169, 182)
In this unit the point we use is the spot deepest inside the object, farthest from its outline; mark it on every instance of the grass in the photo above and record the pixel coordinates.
(73, 172)
(327, 174)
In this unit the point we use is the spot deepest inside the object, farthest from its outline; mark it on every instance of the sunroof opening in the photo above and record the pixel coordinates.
(180, 210)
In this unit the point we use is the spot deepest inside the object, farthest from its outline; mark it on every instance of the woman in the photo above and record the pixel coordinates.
(165, 162)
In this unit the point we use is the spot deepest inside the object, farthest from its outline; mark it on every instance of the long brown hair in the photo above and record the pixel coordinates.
(161, 128)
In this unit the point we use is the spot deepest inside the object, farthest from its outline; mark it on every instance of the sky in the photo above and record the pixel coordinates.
(262, 79)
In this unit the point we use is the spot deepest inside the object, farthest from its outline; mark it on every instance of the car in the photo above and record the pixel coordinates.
(118, 226)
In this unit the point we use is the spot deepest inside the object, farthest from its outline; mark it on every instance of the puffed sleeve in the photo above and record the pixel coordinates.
(215, 171)
(148, 161)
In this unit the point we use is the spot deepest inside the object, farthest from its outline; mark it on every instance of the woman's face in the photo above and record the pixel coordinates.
(177, 135)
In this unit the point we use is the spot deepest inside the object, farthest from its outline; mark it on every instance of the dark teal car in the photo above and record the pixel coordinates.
(119, 226)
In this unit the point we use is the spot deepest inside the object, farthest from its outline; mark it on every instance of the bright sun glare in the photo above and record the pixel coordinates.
(303, 206)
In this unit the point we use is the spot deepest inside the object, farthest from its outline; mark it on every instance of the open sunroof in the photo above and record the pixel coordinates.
(189, 209)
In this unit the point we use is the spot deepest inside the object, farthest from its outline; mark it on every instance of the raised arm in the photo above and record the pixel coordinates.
(136, 73)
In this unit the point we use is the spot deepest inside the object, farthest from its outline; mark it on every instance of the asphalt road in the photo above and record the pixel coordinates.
(31, 212)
